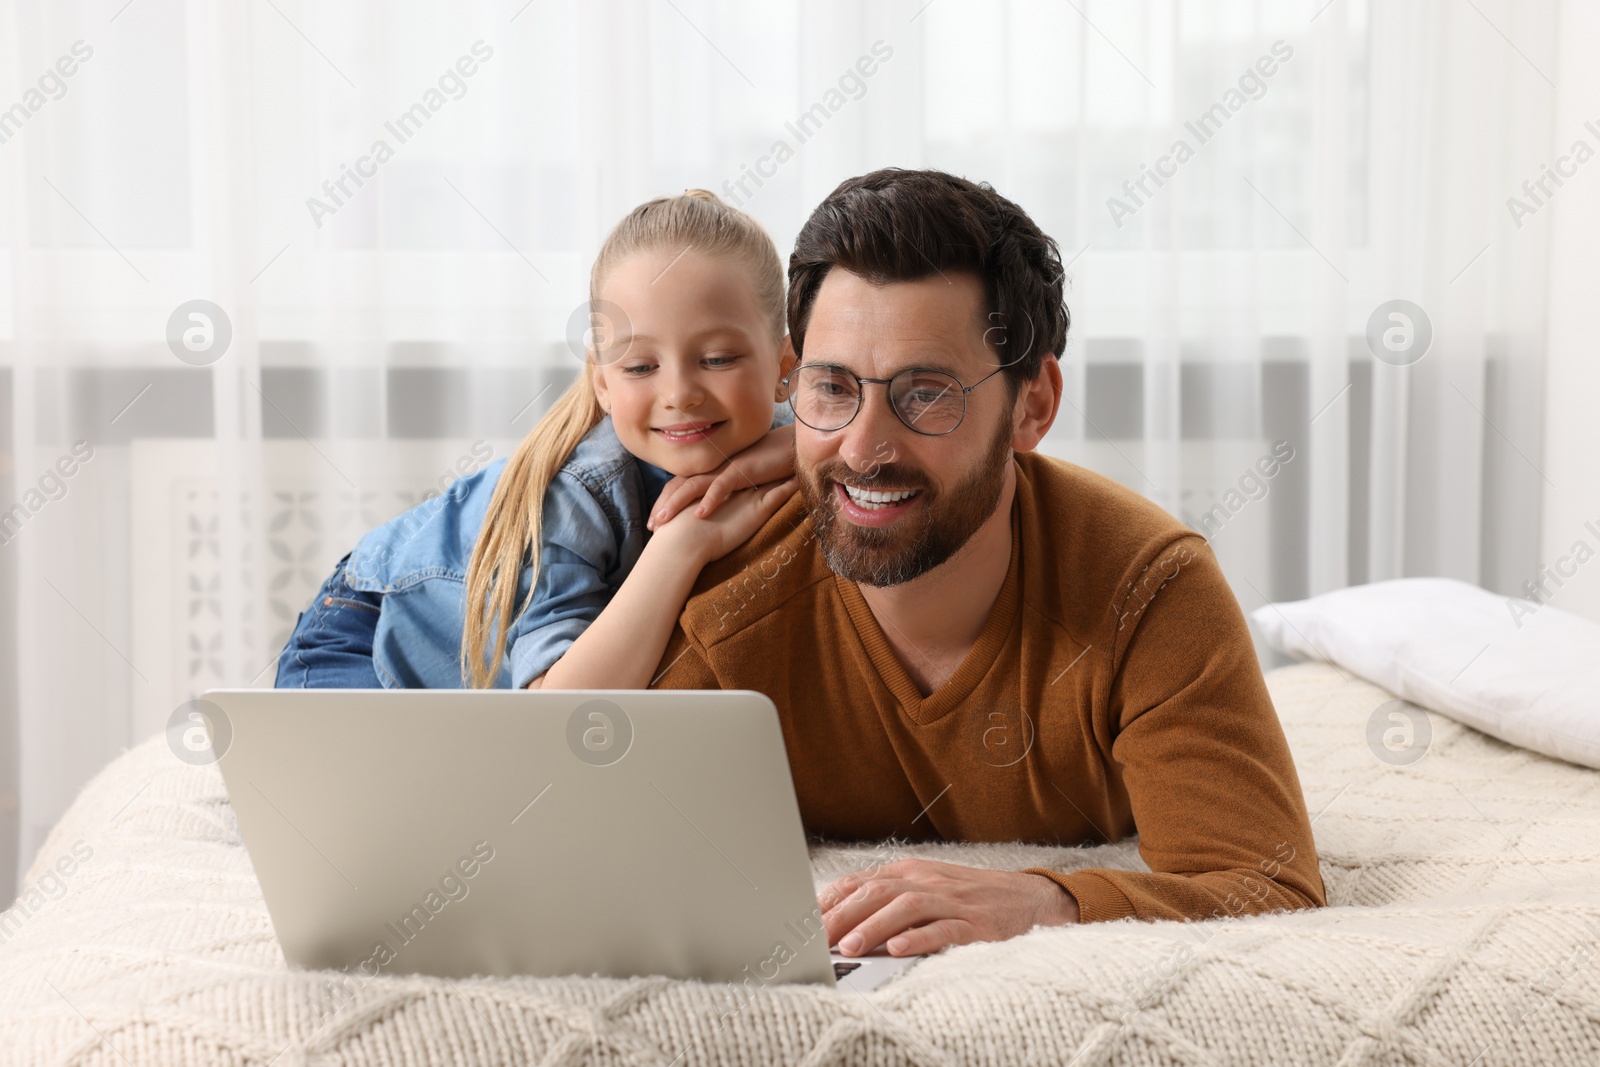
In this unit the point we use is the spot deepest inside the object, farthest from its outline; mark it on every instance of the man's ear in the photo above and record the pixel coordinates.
(786, 361)
(1036, 406)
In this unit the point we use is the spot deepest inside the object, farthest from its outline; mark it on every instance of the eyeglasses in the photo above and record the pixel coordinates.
(826, 397)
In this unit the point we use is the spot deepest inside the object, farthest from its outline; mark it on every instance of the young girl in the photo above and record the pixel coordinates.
(550, 568)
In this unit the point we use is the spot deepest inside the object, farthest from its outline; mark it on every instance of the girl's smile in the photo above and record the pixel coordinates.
(689, 432)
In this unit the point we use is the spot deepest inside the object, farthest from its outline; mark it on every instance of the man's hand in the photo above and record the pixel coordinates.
(919, 906)
(770, 459)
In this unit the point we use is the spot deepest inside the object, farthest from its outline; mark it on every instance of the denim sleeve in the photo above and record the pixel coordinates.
(578, 560)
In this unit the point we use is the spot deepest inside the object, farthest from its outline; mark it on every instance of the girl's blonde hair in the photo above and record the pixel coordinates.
(696, 220)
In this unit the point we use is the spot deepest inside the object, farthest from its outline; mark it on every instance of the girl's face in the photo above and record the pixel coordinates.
(692, 372)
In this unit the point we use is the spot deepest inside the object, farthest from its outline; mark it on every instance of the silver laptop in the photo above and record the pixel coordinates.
(544, 832)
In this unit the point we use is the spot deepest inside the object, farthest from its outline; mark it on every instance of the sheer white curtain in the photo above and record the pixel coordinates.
(391, 209)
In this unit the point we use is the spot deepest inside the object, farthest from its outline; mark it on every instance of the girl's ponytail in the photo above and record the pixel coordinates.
(510, 530)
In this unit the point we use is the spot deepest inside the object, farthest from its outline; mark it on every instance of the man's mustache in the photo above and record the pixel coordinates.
(894, 477)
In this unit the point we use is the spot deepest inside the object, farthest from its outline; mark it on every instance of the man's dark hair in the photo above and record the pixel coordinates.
(897, 225)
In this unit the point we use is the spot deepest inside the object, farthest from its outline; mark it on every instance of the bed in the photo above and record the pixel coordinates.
(1462, 928)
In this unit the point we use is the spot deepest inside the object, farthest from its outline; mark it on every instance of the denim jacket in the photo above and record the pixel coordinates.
(592, 532)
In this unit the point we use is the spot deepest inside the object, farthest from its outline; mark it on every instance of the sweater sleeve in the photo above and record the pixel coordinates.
(683, 665)
(1213, 790)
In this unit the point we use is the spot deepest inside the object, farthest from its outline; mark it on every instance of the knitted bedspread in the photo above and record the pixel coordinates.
(1463, 928)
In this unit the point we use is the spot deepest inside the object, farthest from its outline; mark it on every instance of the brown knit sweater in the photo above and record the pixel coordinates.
(1113, 690)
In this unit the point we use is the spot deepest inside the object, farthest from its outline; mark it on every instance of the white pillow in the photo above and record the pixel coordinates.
(1523, 672)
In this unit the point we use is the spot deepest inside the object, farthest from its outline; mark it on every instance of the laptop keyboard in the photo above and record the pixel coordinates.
(842, 969)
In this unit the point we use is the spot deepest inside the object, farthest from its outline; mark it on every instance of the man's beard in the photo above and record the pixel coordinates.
(905, 550)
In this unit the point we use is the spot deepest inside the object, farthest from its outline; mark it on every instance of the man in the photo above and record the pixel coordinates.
(968, 641)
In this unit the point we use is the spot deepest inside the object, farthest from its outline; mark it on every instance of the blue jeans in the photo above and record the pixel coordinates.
(331, 646)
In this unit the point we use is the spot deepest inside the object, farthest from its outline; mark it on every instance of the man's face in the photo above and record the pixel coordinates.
(955, 479)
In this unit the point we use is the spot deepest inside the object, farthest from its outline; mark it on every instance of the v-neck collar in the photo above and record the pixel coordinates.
(979, 659)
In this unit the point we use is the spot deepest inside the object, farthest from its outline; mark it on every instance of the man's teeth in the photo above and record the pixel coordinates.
(871, 499)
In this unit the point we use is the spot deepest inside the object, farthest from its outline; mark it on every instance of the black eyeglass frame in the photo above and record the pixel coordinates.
(861, 394)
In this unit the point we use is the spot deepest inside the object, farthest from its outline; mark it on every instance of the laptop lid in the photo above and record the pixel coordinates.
(543, 832)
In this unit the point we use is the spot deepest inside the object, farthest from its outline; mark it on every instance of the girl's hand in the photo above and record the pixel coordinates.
(714, 536)
(768, 460)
